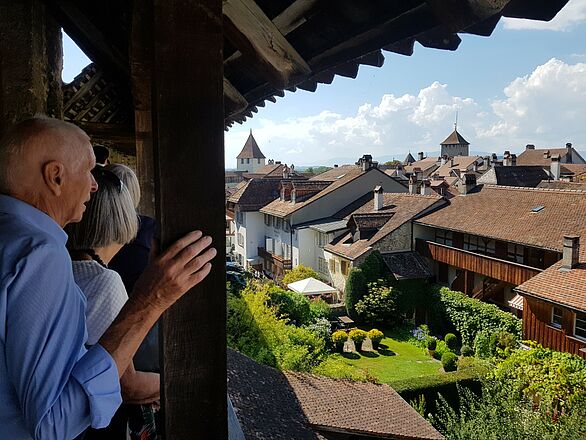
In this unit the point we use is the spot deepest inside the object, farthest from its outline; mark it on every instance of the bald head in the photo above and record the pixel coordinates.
(33, 142)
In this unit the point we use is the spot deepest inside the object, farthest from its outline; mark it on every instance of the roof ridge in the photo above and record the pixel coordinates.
(525, 188)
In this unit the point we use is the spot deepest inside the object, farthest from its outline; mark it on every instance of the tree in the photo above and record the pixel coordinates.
(392, 162)
(378, 306)
(355, 290)
(374, 267)
(299, 273)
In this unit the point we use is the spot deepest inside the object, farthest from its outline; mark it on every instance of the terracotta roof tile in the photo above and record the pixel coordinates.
(455, 138)
(407, 265)
(253, 194)
(250, 149)
(505, 213)
(358, 407)
(567, 288)
(457, 163)
(538, 156)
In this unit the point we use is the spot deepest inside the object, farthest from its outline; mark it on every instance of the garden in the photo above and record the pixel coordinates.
(465, 367)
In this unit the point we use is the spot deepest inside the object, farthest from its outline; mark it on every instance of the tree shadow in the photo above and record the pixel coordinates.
(386, 352)
(351, 355)
(370, 354)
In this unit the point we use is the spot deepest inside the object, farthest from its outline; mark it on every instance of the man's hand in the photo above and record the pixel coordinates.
(183, 265)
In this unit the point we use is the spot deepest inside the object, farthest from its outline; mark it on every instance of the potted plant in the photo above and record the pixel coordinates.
(358, 336)
(375, 336)
(339, 338)
(431, 346)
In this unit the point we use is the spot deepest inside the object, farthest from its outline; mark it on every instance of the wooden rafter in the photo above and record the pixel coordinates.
(255, 35)
(234, 102)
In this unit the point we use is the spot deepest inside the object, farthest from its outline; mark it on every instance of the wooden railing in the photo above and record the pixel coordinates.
(513, 273)
(274, 259)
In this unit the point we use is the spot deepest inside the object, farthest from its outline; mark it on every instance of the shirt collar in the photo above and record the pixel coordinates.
(30, 214)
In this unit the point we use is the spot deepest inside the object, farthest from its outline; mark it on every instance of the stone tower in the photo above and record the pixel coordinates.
(250, 158)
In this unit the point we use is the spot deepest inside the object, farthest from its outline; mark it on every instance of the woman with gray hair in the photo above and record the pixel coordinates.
(110, 221)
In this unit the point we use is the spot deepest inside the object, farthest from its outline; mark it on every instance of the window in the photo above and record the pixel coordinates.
(258, 161)
(247, 160)
(240, 240)
(443, 237)
(286, 226)
(286, 251)
(322, 265)
(240, 217)
(556, 317)
(478, 244)
(267, 220)
(516, 253)
(321, 239)
(580, 326)
(241, 161)
(277, 223)
(332, 264)
(345, 265)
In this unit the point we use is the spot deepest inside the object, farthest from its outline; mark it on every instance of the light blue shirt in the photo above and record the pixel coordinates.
(51, 386)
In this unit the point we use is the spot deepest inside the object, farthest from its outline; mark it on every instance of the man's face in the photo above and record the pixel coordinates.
(78, 182)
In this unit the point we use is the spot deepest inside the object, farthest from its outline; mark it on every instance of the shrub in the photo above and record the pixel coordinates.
(321, 327)
(449, 361)
(355, 290)
(440, 350)
(374, 267)
(466, 351)
(375, 336)
(431, 344)
(502, 343)
(470, 316)
(318, 308)
(378, 306)
(419, 336)
(292, 305)
(358, 336)
(339, 337)
(299, 273)
(451, 341)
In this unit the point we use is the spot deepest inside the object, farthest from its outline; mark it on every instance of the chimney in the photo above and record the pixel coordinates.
(466, 183)
(335, 165)
(285, 172)
(413, 184)
(569, 153)
(513, 160)
(555, 167)
(365, 162)
(420, 155)
(569, 146)
(529, 147)
(292, 168)
(278, 162)
(378, 198)
(426, 187)
(507, 158)
(444, 159)
(571, 252)
(546, 155)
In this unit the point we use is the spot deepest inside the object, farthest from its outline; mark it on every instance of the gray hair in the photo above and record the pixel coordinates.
(110, 217)
(129, 179)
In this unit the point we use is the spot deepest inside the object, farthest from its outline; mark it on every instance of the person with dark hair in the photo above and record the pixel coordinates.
(51, 385)
(102, 154)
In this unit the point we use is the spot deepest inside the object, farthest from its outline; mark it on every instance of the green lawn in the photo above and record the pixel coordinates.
(395, 360)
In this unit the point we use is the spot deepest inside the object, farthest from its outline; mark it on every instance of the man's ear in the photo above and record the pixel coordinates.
(53, 174)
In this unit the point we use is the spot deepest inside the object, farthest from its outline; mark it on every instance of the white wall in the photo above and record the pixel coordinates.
(306, 248)
(252, 229)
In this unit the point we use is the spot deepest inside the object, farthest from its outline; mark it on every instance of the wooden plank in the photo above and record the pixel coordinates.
(188, 127)
(234, 102)
(294, 16)
(251, 31)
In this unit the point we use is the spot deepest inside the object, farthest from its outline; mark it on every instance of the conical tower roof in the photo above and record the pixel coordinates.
(409, 159)
(250, 149)
(455, 139)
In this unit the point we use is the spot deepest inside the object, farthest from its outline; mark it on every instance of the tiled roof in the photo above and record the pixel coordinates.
(250, 149)
(253, 194)
(567, 288)
(560, 184)
(505, 213)
(264, 402)
(520, 175)
(358, 408)
(427, 165)
(407, 265)
(403, 208)
(338, 177)
(371, 220)
(573, 168)
(536, 156)
(454, 139)
(274, 170)
(457, 163)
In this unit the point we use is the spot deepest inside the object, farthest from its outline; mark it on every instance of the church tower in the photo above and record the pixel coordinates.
(250, 158)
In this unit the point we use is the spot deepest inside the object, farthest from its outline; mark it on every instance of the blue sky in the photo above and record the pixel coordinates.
(524, 84)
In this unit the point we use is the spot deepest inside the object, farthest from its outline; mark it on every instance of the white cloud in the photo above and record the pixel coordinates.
(569, 17)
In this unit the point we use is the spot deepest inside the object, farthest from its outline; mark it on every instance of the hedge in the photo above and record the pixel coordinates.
(469, 316)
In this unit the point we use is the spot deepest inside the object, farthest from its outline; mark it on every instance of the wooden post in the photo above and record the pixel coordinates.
(30, 62)
(188, 128)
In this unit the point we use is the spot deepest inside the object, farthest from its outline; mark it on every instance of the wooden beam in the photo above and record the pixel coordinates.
(255, 35)
(188, 128)
(294, 16)
(457, 15)
(439, 39)
(234, 102)
(92, 41)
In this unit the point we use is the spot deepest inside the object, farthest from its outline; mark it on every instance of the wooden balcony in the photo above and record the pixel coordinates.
(280, 262)
(509, 272)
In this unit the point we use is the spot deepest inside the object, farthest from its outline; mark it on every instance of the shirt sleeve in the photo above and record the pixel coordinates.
(62, 388)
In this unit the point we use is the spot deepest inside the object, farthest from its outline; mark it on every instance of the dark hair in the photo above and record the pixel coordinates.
(102, 154)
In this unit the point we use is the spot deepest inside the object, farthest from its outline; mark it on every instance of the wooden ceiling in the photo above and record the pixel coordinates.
(276, 45)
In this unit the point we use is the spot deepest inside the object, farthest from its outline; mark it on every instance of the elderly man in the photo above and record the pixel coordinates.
(51, 386)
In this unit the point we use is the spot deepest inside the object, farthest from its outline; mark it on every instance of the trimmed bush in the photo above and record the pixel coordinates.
(482, 349)
(358, 336)
(440, 350)
(431, 344)
(339, 336)
(374, 267)
(451, 341)
(449, 361)
(355, 290)
(466, 351)
(375, 336)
